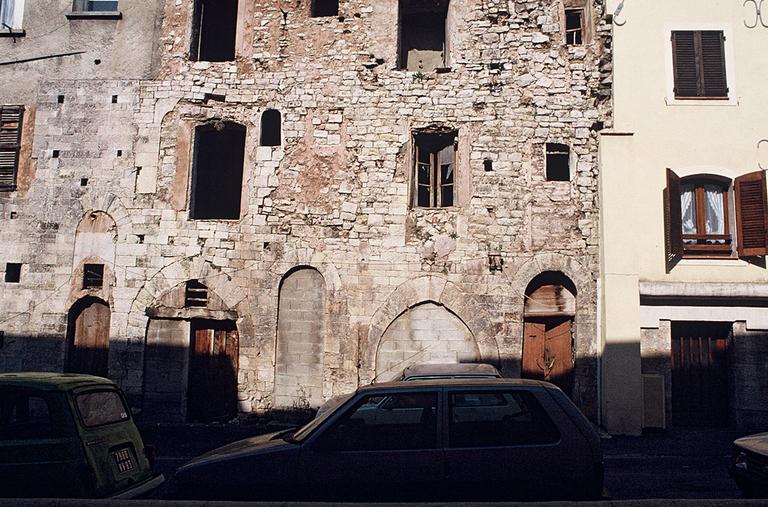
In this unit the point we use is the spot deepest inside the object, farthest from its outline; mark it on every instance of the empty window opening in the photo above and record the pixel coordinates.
(574, 27)
(217, 171)
(93, 275)
(214, 27)
(55, 154)
(270, 128)
(114, 99)
(140, 239)
(83, 182)
(488, 165)
(558, 162)
(95, 6)
(325, 8)
(435, 167)
(119, 153)
(60, 99)
(13, 215)
(422, 34)
(195, 294)
(13, 272)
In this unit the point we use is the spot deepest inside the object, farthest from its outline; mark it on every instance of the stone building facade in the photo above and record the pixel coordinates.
(268, 221)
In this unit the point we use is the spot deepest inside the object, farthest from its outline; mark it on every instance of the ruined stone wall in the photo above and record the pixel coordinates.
(336, 196)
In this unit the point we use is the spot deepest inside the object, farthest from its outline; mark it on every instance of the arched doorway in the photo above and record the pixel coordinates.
(550, 307)
(300, 322)
(425, 333)
(88, 337)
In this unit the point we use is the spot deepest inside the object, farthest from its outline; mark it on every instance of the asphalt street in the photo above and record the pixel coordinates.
(676, 464)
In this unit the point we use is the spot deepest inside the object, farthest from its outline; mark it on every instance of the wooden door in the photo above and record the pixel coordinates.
(88, 338)
(548, 351)
(212, 388)
(700, 373)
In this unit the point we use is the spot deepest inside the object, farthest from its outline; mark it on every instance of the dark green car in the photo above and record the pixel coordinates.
(69, 435)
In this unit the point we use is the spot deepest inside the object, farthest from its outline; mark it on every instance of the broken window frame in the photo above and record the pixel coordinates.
(559, 150)
(316, 11)
(198, 35)
(575, 36)
(437, 172)
(93, 276)
(11, 124)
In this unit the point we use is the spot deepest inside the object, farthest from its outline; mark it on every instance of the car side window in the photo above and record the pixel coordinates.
(395, 422)
(25, 416)
(498, 418)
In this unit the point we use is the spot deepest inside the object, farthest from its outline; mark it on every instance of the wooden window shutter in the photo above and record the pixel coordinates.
(714, 82)
(751, 214)
(685, 64)
(673, 221)
(10, 144)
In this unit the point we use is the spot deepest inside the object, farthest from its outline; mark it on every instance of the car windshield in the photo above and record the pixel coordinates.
(307, 429)
(101, 407)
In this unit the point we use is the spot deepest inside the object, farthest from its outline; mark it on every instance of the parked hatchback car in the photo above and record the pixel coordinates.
(69, 435)
(749, 466)
(418, 440)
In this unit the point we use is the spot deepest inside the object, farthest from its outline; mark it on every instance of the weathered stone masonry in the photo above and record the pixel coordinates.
(332, 207)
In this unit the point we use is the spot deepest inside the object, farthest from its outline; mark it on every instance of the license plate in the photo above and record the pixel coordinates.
(123, 460)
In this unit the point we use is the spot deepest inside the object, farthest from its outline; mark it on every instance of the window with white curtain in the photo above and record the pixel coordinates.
(704, 206)
(11, 14)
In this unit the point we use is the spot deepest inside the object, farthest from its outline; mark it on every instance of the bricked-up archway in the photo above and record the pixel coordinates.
(300, 330)
(483, 326)
(425, 333)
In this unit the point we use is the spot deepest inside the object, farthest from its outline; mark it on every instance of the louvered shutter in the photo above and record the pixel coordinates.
(751, 214)
(714, 83)
(10, 143)
(685, 64)
(673, 221)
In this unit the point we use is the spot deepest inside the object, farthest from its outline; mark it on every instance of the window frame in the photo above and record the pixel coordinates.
(699, 65)
(12, 171)
(701, 249)
(435, 185)
(581, 30)
(16, 29)
(86, 6)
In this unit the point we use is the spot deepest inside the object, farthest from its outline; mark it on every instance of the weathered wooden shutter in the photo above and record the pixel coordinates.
(10, 144)
(714, 82)
(699, 63)
(752, 214)
(673, 221)
(685, 64)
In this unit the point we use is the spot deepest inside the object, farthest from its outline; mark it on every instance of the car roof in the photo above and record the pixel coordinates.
(52, 381)
(459, 382)
(426, 369)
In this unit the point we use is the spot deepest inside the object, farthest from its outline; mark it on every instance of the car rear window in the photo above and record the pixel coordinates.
(498, 418)
(25, 415)
(97, 408)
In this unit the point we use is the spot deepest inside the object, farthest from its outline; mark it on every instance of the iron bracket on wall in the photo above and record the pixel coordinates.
(758, 13)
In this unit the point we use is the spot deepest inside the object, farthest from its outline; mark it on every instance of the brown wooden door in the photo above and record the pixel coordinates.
(548, 351)
(700, 373)
(212, 388)
(88, 338)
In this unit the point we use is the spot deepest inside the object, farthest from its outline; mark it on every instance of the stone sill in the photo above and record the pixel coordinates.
(94, 15)
(13, 33)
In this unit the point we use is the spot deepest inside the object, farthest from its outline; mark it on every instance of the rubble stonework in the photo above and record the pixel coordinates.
(335, 198)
